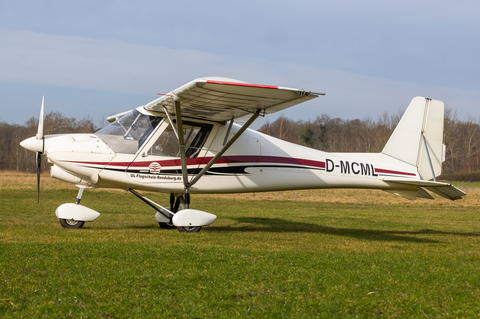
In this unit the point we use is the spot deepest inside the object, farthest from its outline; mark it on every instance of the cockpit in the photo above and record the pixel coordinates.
(128, 134)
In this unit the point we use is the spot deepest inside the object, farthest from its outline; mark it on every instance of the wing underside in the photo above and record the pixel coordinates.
(220, 99)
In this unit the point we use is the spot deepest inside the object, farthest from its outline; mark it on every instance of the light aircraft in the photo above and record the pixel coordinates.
(186, 142)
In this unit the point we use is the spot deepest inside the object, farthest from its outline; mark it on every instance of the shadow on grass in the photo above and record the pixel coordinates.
(281, 225)
(278, 225)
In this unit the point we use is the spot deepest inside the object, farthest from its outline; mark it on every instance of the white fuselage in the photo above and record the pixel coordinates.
(254, 163)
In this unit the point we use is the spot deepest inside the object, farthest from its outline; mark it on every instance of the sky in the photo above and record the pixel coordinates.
(98, 58)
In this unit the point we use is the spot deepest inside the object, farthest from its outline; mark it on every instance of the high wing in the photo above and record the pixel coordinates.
(221, 99)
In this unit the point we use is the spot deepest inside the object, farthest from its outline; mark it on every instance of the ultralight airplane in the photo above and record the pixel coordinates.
(186, 142)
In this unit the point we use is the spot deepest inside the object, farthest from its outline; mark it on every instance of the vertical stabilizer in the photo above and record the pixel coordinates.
(418, 137)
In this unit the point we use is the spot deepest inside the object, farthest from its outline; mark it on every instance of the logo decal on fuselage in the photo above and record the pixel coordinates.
(154, 167)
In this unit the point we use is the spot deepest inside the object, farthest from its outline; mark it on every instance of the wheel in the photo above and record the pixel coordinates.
(71, 223)
(167, 226)
(189, 229)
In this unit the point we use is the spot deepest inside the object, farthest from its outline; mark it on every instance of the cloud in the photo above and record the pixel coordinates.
(123, 68)
(430, 42)
(108, 65)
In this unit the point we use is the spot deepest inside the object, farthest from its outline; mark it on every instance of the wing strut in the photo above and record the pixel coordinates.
(181, 143)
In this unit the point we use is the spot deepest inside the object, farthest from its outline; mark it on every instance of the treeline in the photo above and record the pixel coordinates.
(461, 137)
(13, 157)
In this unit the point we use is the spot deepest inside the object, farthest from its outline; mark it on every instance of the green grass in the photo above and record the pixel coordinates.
(466, 184)
(260, 258)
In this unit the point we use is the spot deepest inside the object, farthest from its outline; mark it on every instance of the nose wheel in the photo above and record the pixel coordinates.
(71, 223)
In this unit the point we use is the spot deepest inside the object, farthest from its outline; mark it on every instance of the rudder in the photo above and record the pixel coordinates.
(418, 137)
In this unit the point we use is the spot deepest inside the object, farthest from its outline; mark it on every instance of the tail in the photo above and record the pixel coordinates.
(418, 141)
(418, 137)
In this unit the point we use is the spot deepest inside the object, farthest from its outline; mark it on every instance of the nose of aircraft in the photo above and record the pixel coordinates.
(32, 144)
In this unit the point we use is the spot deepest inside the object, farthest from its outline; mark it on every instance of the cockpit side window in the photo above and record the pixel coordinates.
(195, 136)
(127, 134)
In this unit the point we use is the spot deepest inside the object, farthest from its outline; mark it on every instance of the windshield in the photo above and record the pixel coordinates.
(128, 133)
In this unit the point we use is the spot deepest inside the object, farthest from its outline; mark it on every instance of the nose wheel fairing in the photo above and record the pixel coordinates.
(71, 211)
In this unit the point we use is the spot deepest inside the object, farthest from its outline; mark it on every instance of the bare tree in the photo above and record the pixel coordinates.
(14, 157)
(469, 134)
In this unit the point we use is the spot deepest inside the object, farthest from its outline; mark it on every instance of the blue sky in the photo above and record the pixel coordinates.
(97, 58)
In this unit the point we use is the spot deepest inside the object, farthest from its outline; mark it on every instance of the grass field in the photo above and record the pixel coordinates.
(321, 253)
(467, 184)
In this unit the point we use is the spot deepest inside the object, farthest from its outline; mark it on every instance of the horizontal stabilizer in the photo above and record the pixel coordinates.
(445, 190)
(409, 194)
(450, 192)
(422, 193)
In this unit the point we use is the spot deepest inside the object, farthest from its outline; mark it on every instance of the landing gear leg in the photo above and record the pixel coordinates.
(79, 195)
(164, 215)
(187, 199)
(173, 208)
(172, 201)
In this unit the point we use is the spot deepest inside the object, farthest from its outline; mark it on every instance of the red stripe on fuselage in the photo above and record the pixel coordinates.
(221, 160)
(387, 171)
(236, 160)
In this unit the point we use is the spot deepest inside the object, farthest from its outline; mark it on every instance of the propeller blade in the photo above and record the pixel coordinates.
(38, 155)
(38, 158)
(40, 121)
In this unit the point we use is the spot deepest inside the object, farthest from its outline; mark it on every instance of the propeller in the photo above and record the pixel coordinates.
(38, 158)
(38, 155)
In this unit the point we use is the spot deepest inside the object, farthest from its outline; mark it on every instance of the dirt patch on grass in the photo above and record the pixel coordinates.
(21, 181)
